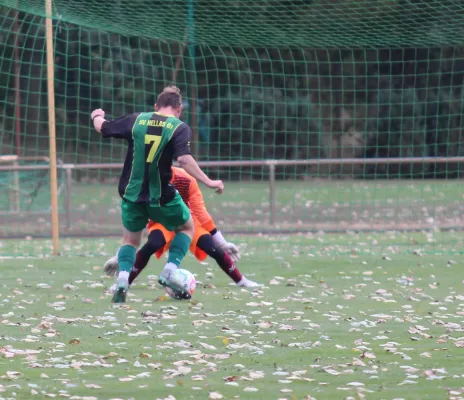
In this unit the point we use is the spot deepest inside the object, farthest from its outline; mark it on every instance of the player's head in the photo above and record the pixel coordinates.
(170, 97)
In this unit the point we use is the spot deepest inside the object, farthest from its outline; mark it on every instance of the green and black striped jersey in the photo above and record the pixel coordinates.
(154, 140)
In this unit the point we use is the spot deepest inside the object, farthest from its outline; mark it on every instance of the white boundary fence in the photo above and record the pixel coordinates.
(271, 164)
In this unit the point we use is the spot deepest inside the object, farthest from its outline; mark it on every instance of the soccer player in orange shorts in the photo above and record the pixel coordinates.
(207, 239)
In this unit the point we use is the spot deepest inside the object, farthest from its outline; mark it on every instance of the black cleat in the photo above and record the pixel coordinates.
(120, 293)
(179, 291)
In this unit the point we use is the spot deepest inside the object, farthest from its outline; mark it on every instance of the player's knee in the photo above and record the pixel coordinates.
(132, 238)
(155, 241)
(188, 228)
(205, 243)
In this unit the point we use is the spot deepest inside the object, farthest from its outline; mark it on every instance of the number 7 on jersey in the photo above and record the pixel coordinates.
(153, 142)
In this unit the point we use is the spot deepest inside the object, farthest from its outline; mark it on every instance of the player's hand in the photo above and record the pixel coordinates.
(218, 185)
(96, 112)
(234, 252)
(111, 266)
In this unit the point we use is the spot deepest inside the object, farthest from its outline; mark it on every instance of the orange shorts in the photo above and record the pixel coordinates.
(169, 235)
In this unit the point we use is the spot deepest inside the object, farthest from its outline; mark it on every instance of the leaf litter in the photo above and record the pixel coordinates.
(355, 329)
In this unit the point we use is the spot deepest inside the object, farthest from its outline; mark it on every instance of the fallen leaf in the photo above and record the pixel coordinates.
(13, 375)
(256, 374)
(184, 370)
(368, 354)
(93, 386)
(207, 346)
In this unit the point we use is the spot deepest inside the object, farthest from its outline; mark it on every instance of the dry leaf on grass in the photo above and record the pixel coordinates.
(256, 375)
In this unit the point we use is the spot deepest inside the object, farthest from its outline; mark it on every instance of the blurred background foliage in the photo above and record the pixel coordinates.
(265, 79)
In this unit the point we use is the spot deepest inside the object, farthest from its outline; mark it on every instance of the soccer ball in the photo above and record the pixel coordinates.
(183, 278)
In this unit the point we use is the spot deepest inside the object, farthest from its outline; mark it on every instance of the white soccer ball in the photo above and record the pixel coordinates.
(183, 278)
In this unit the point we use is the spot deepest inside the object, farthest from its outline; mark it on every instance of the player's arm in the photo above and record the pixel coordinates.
(198, 207)
(184, 157)
(188, 163)
(199, 211)
(120, 128)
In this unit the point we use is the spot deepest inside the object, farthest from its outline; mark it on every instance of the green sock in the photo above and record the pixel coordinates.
(126, 257)
(179, 247)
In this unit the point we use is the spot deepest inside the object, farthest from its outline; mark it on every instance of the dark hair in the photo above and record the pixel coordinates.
(169, 97)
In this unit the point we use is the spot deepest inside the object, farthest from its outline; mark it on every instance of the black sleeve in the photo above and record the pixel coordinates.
(181, 140)
(120, 128)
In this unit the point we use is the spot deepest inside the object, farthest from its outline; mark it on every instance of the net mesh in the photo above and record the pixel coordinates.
(261, 80)
(279, 23)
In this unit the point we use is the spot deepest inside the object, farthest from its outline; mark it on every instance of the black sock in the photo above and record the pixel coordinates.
(222, 258)
(155, 242)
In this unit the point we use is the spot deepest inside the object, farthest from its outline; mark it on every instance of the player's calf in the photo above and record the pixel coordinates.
(177, 251)
(155, 242)
(126, 260)
(225, 261)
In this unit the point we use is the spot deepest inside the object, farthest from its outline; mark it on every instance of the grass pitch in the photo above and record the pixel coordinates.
(324, 326)
(334, 206)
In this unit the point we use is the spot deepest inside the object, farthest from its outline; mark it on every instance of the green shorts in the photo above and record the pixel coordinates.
(135, 216)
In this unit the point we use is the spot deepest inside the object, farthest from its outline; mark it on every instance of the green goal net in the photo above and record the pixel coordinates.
(262, 80)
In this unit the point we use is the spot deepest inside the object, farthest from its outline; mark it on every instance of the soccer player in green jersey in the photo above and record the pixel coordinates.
(154, 139)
